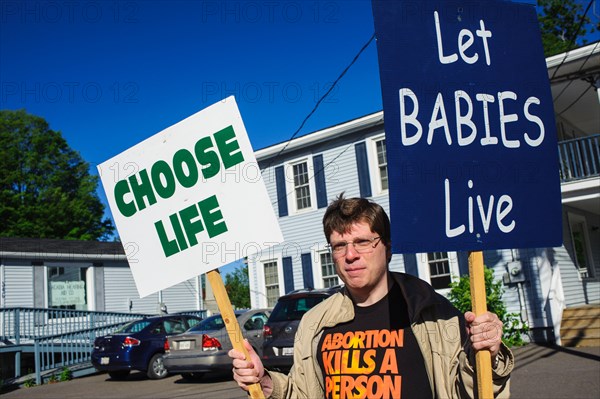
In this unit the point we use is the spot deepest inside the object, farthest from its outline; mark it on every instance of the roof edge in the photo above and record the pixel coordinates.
(343, 128)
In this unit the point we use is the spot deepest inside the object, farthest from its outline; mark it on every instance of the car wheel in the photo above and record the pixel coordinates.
(192, 376)
(156, 367)
(118, 375)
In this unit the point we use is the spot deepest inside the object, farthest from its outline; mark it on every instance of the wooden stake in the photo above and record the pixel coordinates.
(233, 328)
(483, 359)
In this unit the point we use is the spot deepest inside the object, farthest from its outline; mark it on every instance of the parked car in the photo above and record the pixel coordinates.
(139, 345)
(204, 348)
(280, 329)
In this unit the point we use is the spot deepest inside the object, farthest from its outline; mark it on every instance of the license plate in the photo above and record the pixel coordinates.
(184, 345)
(287, 351)
(104, 360)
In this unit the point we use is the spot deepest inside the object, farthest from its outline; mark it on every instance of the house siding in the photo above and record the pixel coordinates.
(18, 285)
(579, 290)
(181, 297)
(120, 289)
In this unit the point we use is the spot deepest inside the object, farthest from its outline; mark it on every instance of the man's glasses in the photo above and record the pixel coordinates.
(361, 245)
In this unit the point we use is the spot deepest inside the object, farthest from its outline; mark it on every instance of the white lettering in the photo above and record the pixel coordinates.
(410, 119)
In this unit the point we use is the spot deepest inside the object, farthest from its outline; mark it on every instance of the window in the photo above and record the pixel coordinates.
(378, 170)
(271, 283)
(67, 287)
(581, 245)
(382, 163)
(330, 277)
(256, 322)
(301, 185)
(438, 268)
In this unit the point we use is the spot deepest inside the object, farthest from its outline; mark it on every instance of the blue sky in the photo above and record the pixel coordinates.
(110, 74)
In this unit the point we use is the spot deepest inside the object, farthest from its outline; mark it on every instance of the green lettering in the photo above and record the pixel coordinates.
(211, 214)
(228, 147)
(178, 231)
(142, 189)
(208, 159)
(185, 157)
(169, 246)
(127, 209)
(162, 168)
(191, 228)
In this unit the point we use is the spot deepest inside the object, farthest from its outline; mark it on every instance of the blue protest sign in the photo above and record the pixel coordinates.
(470, 130)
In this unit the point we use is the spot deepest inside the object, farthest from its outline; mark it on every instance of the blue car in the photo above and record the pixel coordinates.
(139, 345)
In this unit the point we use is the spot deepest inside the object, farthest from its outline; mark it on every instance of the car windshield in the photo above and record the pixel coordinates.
(294, 308)
(211, 323)
(133, 327)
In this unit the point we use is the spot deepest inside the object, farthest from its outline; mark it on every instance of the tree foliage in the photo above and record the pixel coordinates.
(460, 296)
(559, 24)
(238, 287)
(46, 190)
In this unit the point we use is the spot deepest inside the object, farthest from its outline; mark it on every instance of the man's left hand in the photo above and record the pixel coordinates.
(485, 332)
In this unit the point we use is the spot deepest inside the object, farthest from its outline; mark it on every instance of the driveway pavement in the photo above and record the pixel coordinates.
(556, 372)
(540, 372)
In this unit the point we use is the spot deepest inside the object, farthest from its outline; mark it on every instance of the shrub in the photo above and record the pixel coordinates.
(65, 374)
(30, 382)
(460, 296)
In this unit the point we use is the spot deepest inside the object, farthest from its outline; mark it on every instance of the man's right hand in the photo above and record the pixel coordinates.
(248, 372)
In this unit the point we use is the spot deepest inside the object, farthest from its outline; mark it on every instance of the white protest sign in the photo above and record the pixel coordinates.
(191, 199)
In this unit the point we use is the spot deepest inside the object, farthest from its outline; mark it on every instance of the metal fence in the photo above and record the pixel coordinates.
(579, 158)
(69, 349)
(20, 325)
(57, 337)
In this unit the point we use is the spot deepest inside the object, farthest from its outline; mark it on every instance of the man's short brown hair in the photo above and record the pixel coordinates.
(342, 213)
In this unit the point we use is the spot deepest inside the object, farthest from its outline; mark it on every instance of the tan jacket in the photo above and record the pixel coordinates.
(437, 325)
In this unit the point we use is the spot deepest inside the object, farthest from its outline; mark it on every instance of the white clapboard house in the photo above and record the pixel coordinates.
(302, 177)
(305, 174)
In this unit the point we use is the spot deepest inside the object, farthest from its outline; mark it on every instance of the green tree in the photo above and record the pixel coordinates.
(460, 296)
(560, 22)
(46, 190)
(238, 287)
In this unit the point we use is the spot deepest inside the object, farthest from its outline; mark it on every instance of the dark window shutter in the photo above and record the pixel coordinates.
(463, 263)
(307, 271)
(281, 194)
(410, 264)
(288, 274)
(362, 163)
(320, 181)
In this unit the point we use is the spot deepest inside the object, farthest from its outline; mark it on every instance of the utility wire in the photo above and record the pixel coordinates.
(575, 101)
(579, 70)
(572, 41)
(321, 100)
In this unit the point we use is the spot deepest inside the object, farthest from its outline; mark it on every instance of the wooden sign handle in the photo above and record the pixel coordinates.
(483, 359)
(233, 327)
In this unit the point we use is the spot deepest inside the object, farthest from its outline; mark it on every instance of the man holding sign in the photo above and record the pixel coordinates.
(385, 335)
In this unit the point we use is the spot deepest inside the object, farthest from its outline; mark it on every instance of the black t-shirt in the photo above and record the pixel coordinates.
(375, 355)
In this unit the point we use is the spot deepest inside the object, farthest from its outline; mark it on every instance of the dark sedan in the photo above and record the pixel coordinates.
(139, 345)
(204, 348)
(280, 330)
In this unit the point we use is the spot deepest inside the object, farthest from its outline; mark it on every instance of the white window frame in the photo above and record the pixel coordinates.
(90, 282)
(425, 274)
(263, 299)
(319, 268)
(291, 188)
(584, 272)
(374, 165)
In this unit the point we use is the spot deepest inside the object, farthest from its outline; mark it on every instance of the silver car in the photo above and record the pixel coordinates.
(204, 347)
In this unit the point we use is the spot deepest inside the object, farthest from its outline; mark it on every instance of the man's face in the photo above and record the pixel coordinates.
(364, 271)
